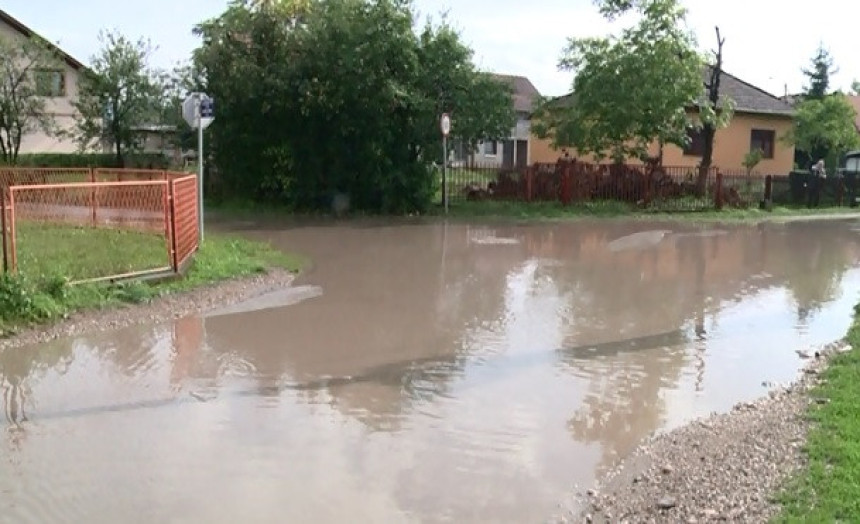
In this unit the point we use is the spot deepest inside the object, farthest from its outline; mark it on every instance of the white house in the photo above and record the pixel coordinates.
(59, 86)
(514, 151)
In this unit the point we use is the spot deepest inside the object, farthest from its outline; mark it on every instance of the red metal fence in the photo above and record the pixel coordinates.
(184, 219)
(109, 224)
(651, 186)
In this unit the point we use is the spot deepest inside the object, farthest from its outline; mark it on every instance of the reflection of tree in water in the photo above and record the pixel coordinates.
(815, 264)
(675, 284)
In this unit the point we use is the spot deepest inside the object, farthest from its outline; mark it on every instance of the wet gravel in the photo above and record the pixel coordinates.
(727, 467)
(165, 308)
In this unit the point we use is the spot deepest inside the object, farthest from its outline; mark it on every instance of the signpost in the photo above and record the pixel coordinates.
(445, 126)
(199, 111)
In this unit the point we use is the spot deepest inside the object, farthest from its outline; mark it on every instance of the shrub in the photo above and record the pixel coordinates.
(140, 161)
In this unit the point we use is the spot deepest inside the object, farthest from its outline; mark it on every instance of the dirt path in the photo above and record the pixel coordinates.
(723, 468)
(159, 310)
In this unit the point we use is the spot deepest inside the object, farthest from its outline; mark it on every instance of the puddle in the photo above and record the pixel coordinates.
(275, 299)
(434, 379)
(640, 240)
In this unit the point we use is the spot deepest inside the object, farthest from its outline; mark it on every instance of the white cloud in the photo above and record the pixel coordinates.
(767, 41)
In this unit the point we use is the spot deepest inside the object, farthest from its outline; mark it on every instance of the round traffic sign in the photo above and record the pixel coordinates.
(445, 124)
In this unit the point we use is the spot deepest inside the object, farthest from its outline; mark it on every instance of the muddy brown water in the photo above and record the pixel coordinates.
(419, 372)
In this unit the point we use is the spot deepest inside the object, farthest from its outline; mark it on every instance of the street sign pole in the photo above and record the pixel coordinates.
(199, 111)
(445, 125)
(200, 168)
(445, 172)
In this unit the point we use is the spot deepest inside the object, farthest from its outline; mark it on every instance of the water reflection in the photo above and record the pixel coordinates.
(427, 372)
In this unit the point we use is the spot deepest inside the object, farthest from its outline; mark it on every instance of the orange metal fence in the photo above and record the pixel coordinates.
(185, 233)
(113, 227)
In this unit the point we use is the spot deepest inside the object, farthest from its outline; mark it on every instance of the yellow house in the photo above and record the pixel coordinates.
(760, 121)
(58, 85)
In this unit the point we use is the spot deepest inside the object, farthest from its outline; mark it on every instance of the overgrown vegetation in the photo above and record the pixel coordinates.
(827, 490)
(32, 297)
(327, 99)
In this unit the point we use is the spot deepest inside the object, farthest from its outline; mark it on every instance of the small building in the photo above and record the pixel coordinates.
(760, 121)
(514, 150)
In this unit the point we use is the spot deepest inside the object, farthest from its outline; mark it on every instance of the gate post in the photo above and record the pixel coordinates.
(718, 194)
(529, 183)
(565, 184)
(5, 232)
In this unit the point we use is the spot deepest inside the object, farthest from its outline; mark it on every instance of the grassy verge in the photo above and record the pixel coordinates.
(827, 491)
(549, 211)
(609, 209)
(32, 297)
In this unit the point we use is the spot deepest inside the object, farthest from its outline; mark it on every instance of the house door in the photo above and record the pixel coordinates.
(522, 153)
(508, 154)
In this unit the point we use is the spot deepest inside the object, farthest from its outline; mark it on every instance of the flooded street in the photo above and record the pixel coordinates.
(420, 373)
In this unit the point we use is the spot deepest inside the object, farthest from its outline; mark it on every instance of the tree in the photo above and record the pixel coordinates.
(117, 95)
(339, 98)
(716, 112)
(824, 128)
(855, 88)
(26, 75)
(819, 75)
(632, 89)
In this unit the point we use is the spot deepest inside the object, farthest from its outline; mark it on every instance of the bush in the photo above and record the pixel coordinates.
(139, 161)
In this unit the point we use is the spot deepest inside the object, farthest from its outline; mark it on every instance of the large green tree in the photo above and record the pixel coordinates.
(117, 95)
(824, 128)
(30, 74)
(632, 89)
(339, 97)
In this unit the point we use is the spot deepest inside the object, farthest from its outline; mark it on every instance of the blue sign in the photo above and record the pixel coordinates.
(207, 108)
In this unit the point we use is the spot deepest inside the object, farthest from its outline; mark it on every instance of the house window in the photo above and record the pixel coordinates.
(50, 83)
(763, 139)
(695, 142)
(491, 148)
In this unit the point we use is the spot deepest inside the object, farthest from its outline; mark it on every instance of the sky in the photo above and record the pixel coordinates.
(767, 41)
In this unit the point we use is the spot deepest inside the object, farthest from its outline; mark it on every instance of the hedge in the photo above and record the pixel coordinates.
(139, 161)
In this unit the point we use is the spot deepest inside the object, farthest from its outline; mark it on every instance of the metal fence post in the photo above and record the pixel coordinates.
(5, 232)
(12, 233)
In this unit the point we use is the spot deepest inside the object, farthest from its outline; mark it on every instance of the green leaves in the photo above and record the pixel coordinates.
(345, 101)
(825, 127)
(119, 93)
(632, 89)
(819, 75)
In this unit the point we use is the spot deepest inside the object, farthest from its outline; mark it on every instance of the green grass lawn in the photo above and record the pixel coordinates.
(51, 257)
(829, 489)
(87, 252)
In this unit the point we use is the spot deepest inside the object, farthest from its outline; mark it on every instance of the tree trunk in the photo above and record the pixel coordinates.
(709, 130)
(708, 134)
(119, 159)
